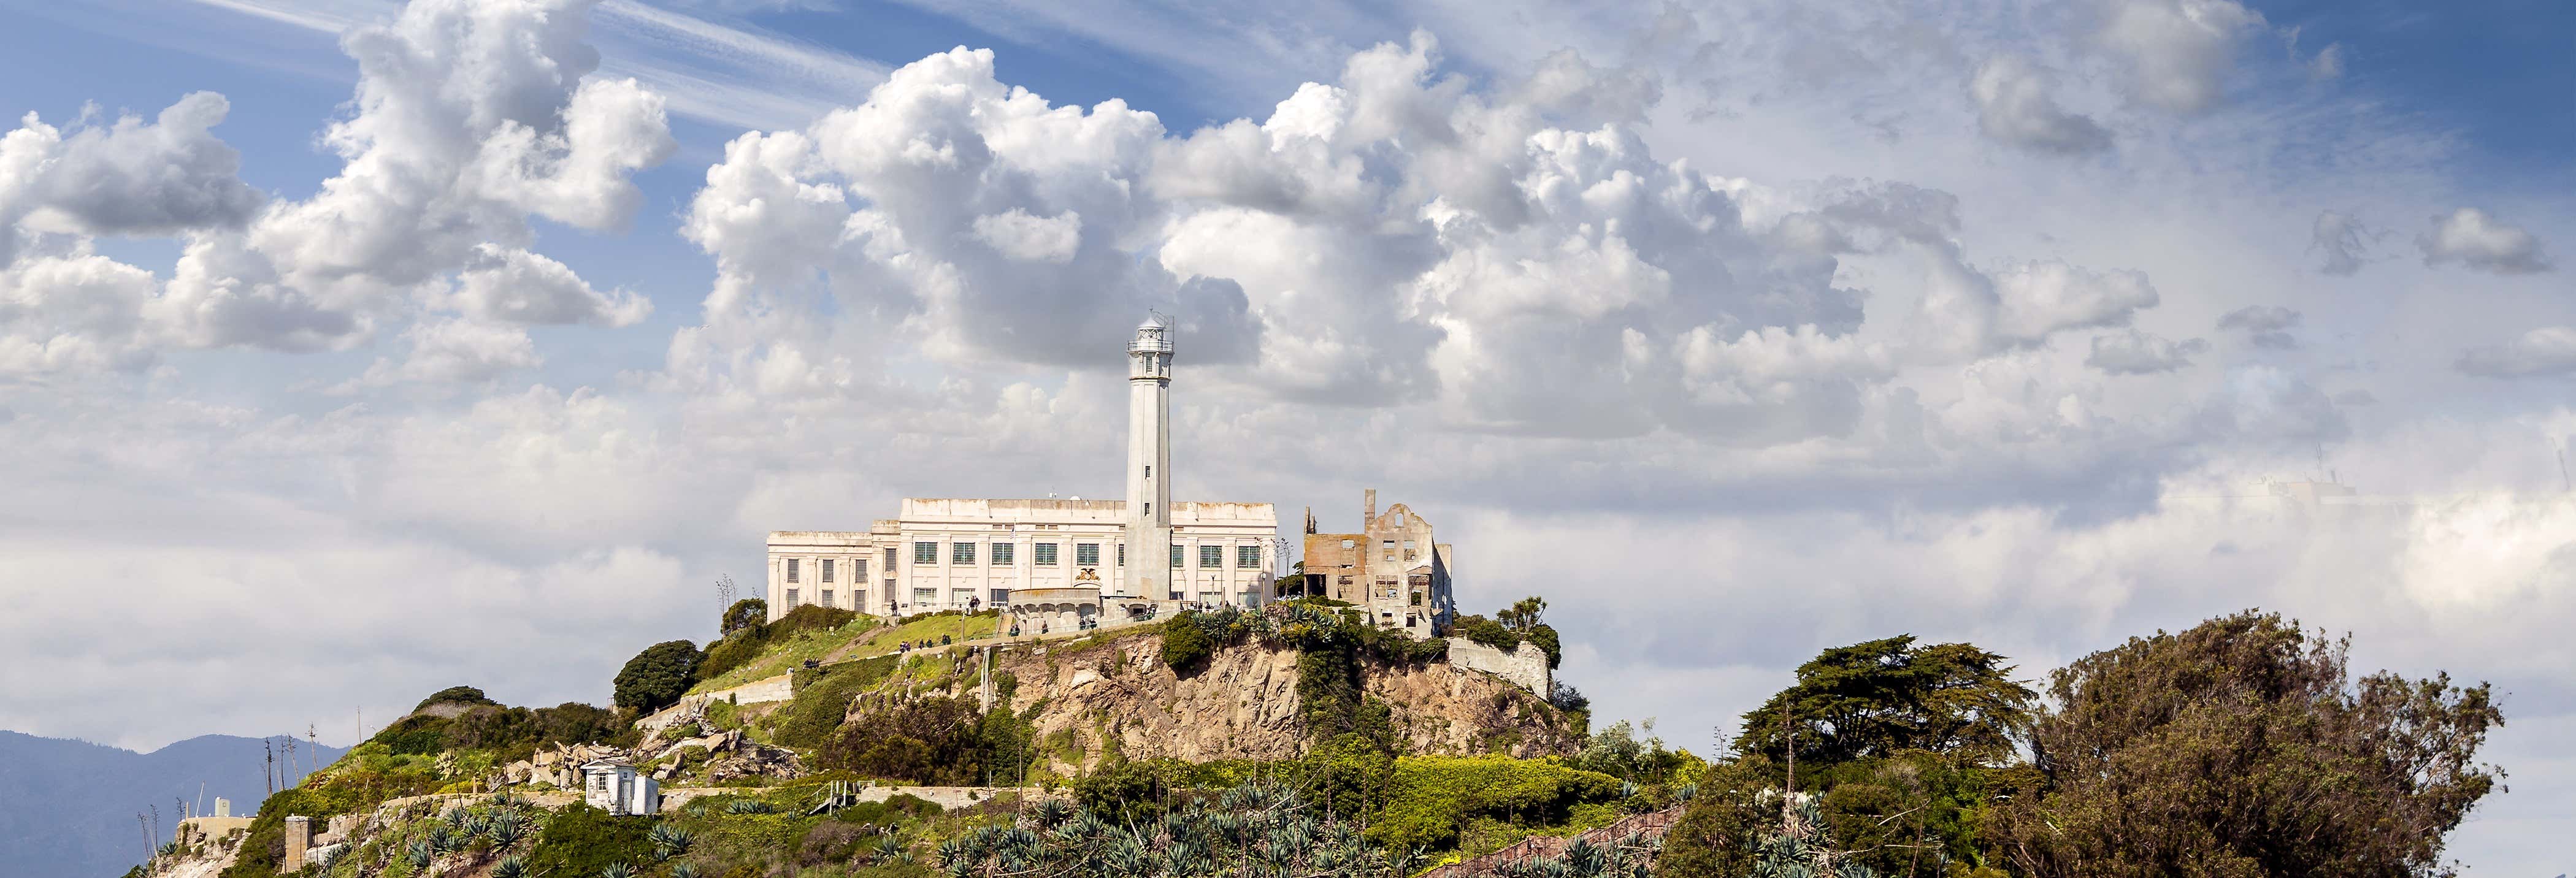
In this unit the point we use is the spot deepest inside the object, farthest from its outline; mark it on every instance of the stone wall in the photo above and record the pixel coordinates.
(1526, 666)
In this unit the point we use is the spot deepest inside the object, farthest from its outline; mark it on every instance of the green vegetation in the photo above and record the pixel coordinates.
(658, 676)
(582, 840)
(2244, 747)
(2238, 747)
(745, 613)
(1186, 646)
(455, 695)
(764, 650)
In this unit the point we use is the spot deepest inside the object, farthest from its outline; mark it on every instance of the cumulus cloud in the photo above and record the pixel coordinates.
(2267, 326)
(1037, 239)
(2138, 353)
(515, 286)
(2548, 350)
(2041, 298)
(470, 116)
(2014, 106)
(129, 177)
(2480, 242)
(2179, 52)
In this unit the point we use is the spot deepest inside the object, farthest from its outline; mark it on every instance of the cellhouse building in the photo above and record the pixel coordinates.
(1052, 564)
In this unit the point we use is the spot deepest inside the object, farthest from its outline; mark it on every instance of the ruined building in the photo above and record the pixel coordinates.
(1392, 567)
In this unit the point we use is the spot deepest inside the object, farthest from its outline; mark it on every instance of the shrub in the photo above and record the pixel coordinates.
(930, 741)
(658, 676)
(457, 695)
(745, 613)
(1186, 647)
(581, 840)
(1428, 797)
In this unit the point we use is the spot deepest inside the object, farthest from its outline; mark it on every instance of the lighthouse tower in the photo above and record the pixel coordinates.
(1149, 461)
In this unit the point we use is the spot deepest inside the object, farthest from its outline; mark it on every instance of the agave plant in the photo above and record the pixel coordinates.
(419, 853)
(748, 806)
(506, 828)
(617, 870)
(683, 870)
(512, 867)
(669, 841)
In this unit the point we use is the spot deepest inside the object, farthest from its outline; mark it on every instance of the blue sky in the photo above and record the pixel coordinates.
(1800, 323)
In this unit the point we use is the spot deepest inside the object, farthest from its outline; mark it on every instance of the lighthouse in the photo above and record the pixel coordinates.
(1149, 461)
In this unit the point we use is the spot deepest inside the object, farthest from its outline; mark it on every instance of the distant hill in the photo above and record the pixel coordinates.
(68, 807)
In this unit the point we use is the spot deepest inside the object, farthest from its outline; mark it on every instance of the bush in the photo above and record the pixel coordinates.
(930, 741)
(455, 695)
(1186, 647)
(658, 676)
(581, 840)
(745, 613)
(1429, 797)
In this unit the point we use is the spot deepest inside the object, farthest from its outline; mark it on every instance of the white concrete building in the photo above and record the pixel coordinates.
(616, 788)
(1057, 563)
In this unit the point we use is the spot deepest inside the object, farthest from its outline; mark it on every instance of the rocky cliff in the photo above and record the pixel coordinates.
(1087, 697)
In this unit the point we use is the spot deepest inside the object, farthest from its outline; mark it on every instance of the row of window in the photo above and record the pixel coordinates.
(858, 568)
(1044, 555)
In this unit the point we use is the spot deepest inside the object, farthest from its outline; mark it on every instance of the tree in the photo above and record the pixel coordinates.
(1186, 647)
(745, 613)
(2242, 747)
(1885, 697)
(1523, 614)
(456, 695)
(658, 676)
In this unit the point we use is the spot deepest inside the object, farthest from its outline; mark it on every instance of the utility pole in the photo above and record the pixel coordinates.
(1788, 803)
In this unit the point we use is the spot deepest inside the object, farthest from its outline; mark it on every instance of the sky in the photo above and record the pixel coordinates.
(351, 349)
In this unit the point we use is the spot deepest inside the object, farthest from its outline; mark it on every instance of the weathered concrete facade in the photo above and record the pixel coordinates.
(970, 554)
(1393, 567)
(1525, 665)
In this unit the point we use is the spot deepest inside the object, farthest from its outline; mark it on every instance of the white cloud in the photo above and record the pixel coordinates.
(2041, 298)
(2267, 326)
(470, 116)
(2014, 106)
(130, 177)
(2179, 52)
(1036, 239)
(2548, 350)
(516, 286)
(2137, 353)
(2480, 242)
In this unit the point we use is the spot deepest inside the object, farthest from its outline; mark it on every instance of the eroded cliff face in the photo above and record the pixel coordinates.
(1092, 697)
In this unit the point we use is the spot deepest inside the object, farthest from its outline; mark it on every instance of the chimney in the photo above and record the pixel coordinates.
(299, 834)
(1310, 519)
(1371, 513)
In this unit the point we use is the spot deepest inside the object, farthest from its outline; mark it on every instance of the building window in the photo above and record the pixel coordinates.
(1086, 554)
(1387, 547)
(922, 597)
(1176, 558)
(925, 553)
(1002, 554)
(1149, 509)
(1149, 470)
(1001, 597)
(791, 568)
(1408, 550)
(889, 559)
(1211, 557)
(791, 597)
(858, 571)
(1247, 556)
(827, 576)
(827, 598)
(1417, 599)
(1042, 554)
(961, 553)
(1122, 554)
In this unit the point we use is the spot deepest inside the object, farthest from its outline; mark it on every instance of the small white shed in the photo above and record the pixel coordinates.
(616, 788)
